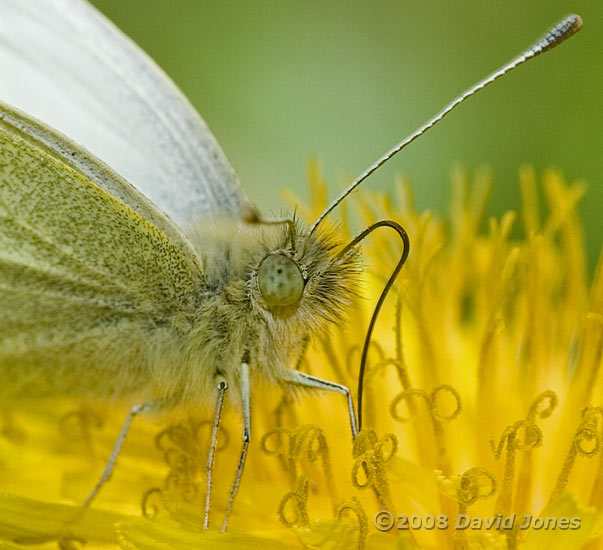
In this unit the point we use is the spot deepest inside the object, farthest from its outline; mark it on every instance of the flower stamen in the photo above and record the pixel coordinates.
(355, 507)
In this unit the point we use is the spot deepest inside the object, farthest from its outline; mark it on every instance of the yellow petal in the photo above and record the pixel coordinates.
(166, 535)
(486, 541)
(565, 506)
(328, 534)
(30, 521)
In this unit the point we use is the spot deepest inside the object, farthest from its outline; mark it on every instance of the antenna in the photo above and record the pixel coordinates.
(563, 30)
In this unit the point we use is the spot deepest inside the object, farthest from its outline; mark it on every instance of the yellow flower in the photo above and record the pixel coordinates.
(483, 410)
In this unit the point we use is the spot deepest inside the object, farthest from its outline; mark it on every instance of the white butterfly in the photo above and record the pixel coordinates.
(102, 293)
(154, 277)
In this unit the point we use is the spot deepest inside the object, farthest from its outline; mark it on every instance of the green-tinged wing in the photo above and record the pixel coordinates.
(86, 262)
(66, 64)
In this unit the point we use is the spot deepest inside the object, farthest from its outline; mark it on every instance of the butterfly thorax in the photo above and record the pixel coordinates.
(244, 314)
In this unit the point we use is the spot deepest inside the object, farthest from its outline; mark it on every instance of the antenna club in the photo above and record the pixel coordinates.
(560, 32)
(577, 21)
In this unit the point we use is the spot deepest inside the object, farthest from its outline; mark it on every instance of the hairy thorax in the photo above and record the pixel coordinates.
(232, 321)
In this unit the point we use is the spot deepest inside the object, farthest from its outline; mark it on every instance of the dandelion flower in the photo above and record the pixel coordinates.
(483, 410)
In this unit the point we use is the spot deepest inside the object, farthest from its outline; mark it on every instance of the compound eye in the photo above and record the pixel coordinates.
(280, 281)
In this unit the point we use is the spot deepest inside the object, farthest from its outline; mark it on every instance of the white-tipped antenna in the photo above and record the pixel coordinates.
(554, 37)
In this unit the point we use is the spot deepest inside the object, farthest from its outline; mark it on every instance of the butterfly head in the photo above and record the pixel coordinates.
(303, 279)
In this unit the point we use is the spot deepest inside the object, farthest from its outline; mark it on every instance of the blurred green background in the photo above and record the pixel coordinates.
(281, 81)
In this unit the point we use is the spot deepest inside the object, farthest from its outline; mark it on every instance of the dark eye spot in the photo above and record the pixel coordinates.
(280, 280)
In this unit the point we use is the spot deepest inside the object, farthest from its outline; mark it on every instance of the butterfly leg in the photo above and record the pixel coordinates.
(287, 398)
(135, 410)
(252, 215)
(222, 386)
(302, 379)
(244, 390)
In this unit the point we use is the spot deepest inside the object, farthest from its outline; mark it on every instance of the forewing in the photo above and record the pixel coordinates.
(65, 64)
(85, 260)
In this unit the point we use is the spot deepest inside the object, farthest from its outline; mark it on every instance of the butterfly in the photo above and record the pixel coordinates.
(132, 263)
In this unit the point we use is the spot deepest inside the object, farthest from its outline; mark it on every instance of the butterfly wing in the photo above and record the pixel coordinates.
(65, 64)
(89, 268)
